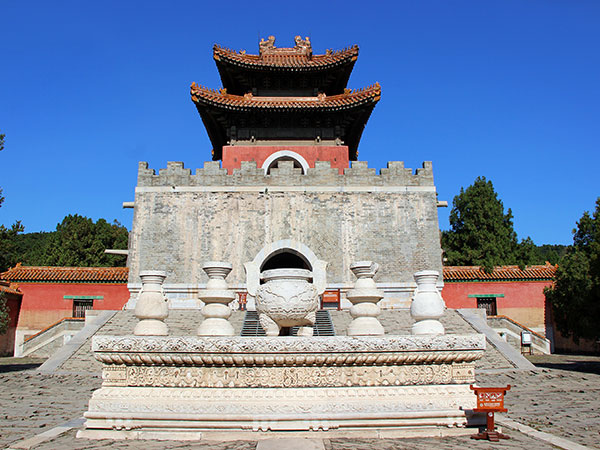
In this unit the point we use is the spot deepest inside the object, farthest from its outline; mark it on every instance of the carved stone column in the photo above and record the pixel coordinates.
(152, 306)
(216, 297)
(427, 305)
(364, 298)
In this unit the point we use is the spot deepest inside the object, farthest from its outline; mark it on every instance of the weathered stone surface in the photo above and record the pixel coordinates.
(182, 220)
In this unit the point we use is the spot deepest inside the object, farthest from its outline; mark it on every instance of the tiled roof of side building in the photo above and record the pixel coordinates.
(9, 288)
(286, 59)
(21, 273)
(500, 273)
(348, 99)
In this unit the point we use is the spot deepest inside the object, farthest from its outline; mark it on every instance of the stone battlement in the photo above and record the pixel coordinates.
(286, 175)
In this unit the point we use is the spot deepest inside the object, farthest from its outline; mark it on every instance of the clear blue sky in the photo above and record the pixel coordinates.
(505, 89)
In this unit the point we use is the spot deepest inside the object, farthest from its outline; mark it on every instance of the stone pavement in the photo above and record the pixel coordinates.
(560, 398)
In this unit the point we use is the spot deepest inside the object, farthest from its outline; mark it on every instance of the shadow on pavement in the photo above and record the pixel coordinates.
(17, 364)
(573, 365)
(18, 367)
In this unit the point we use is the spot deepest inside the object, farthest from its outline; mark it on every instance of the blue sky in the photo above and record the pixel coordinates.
(505, 89)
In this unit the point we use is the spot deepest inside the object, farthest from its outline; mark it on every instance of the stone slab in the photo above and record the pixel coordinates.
(291, 444)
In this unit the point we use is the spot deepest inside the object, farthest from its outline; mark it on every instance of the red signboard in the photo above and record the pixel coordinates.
(331, 299)
(491, 398)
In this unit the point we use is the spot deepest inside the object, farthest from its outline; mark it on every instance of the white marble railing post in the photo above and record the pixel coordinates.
(152, 306)
(216, 297)
(364, 298)
(427, 305)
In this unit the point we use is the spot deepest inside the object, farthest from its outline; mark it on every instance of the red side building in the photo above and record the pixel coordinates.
(506, 291)
(51, 294)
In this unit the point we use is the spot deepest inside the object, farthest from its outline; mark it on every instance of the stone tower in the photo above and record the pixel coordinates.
(284, 188)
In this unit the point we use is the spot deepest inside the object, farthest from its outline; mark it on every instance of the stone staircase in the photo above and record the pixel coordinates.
(46, 342)
(323, 325)
(184, 322)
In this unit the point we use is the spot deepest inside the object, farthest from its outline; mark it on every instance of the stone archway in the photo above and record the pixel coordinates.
(285, 155)
(282, 247)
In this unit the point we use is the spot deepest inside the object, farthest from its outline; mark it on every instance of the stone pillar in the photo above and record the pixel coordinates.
(427, 305)
(364, 298)
(152, 306)
(216, 297)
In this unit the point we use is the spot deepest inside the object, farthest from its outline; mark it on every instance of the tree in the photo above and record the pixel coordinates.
(481, 233)
(575, 295)
(7, 235)
(78, 241)
(4, 314)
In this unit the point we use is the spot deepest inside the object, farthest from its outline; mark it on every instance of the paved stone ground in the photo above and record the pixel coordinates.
(560, 398)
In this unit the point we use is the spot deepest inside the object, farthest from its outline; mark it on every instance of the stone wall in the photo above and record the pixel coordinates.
(182, 220)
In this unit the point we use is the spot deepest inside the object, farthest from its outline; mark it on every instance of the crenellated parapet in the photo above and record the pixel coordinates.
(285, 174)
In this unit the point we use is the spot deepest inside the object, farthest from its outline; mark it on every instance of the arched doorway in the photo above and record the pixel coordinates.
(285, 155)
(285, 258)
(281, 254)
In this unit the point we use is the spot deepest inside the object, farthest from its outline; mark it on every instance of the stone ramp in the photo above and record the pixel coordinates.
(478, 322)
(184, 322)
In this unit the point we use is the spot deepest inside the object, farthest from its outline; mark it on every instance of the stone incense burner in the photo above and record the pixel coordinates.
(287, 299)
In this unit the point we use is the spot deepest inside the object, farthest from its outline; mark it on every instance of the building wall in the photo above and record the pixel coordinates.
(233, 155)
(182, 220)
(523, 301)
(44, 303)
(7, 340)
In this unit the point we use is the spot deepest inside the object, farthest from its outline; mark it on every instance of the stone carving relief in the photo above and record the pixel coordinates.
(265, 345)
(287, 376)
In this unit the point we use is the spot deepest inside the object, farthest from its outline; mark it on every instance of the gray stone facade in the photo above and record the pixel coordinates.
(182, 220)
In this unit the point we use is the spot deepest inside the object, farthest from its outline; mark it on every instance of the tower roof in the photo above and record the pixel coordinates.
(288, 59)
(249, 102)
(229, 117)
(294, 68)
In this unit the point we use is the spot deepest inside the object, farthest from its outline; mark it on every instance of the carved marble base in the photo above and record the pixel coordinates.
(185, 387)
(266, 409)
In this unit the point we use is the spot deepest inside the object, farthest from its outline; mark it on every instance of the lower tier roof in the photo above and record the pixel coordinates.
(229, 117)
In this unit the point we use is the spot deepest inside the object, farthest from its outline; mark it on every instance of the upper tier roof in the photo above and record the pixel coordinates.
(288, 59)
(280, 69)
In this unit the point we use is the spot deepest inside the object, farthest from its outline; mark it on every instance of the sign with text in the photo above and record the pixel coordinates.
(490, 398)
(331, 299)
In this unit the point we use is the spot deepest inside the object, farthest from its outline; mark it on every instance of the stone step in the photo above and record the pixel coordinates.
(185, 323)
(323, 325)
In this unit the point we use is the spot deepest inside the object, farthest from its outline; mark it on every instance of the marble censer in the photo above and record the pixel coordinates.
(220, 386)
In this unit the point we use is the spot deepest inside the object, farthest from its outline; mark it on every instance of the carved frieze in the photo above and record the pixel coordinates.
(283, 345)
(333, 376)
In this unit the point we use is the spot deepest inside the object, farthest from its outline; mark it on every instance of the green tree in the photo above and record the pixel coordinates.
(575, 296)
(7, 235)
(4, 314)
(78, 241)
(481, 233)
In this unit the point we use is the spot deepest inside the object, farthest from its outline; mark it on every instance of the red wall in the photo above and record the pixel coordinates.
(44, 303)
(233, 155)
(7, 340)
(523, 301)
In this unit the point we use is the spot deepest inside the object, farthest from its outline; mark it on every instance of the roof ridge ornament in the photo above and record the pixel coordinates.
(301, 46)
